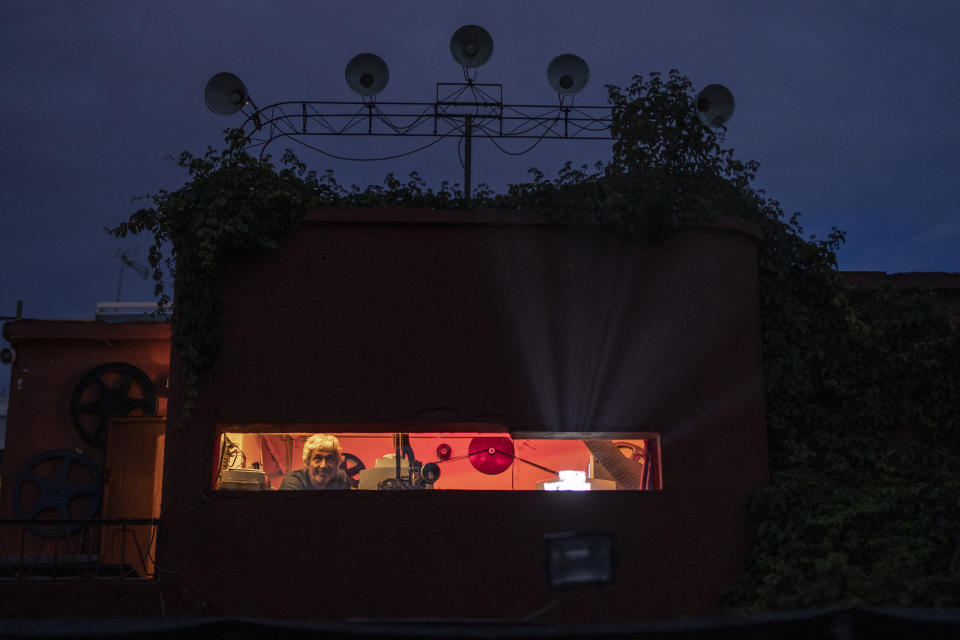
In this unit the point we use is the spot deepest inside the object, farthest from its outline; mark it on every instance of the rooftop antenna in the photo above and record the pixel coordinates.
(472, 47)
(126, 256)
(463, 110)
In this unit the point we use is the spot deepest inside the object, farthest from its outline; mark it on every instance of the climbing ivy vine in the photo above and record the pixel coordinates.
(233, 206)
(862, 385)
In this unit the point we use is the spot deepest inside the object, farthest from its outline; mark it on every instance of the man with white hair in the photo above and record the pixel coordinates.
(321, 460)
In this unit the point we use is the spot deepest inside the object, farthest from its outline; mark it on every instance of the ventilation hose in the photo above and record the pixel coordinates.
(626, 471)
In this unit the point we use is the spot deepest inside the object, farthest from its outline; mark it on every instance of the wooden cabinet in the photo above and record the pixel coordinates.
(132, 485)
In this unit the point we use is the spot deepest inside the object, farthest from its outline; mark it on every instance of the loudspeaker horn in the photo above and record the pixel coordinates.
(568, 73)
(225, 94)
(715, 105)
(471, 46)
(367, 74)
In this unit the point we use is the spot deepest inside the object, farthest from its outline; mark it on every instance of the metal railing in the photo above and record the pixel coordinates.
(111, 548)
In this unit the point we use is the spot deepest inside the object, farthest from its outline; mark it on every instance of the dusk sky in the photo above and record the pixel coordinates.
(851, 108)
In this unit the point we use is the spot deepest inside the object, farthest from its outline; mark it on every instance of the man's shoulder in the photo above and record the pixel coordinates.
(296, 479)
(299, 479)
(340, 480)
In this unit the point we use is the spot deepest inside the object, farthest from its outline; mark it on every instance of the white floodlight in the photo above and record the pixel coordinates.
(471, 46)
(568, 73)
(367, 74)
(715, 105)
(570, 480)
(225, 94)
(578, 559)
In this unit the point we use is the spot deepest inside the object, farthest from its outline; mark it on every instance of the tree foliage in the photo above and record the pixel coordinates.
(862, 414)
(234, 205)
(861, 384)
(666, 169)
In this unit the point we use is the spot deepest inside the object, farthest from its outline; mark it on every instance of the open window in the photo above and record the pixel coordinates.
(482, 460)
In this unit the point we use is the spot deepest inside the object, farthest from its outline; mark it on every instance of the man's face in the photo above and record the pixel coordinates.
(322, 466)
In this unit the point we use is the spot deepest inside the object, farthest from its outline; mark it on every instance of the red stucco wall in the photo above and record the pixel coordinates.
(410, 320)
(52, 357)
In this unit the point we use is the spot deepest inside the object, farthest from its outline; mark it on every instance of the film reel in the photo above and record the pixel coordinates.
(491, 456)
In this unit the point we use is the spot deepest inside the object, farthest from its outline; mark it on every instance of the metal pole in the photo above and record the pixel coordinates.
(123, 550)
(398, 451)
(120, 282)
(468, 137)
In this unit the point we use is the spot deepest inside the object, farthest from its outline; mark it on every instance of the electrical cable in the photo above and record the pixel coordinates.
(316, 116)
(552, 117)
(588, 117)
(544, 609)
(336, 157)
(451, 97)
(123, 541)
(516, 457)
(487, 95)
(453, 459)
(547, 127)
(523, 116)
(547, 124)
(205, 498)
(202, 599)
(426, 115)
(520, 153)
(581, 128)
(476, 99)
(353, 119)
